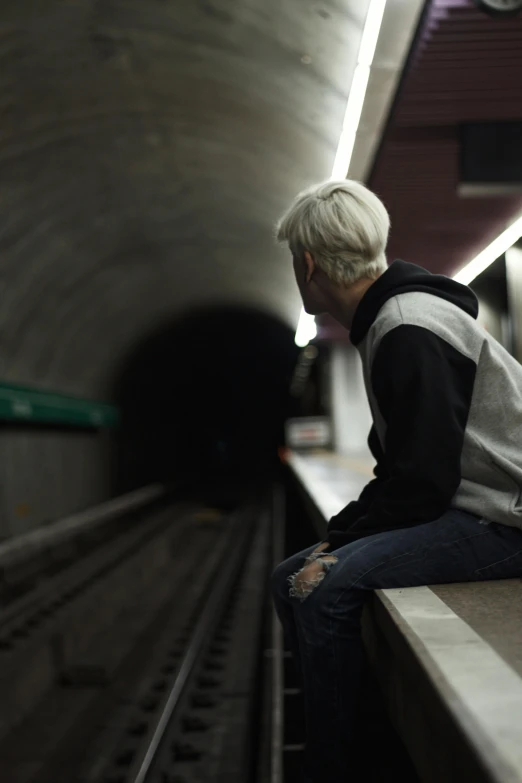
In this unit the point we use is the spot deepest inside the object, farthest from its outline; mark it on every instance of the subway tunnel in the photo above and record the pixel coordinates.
(150, 368)
(204, 401)
(147, 151)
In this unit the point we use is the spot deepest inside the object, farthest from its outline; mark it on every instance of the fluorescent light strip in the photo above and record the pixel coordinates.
(306, 328)
(490, 254)
(352, 116)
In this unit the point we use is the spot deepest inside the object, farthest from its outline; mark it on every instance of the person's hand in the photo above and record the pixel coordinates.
(321, 548)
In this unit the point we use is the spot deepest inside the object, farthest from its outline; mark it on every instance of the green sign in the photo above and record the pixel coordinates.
(23, 404)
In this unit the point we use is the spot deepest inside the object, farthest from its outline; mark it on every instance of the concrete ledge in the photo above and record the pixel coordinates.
(456, 703)
(454, 695)
(30, 544)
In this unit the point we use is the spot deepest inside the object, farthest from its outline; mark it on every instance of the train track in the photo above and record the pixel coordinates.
(172, 696)
(45, 634)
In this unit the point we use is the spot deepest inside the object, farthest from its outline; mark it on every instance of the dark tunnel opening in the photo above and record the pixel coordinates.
(204, 400)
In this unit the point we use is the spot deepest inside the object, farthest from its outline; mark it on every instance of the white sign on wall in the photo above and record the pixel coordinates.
(313, 432)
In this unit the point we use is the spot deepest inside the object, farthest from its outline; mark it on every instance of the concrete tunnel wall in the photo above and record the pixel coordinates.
(146, 151)
(203, 402)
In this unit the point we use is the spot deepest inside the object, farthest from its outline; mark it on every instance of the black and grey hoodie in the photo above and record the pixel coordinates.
(446, 401)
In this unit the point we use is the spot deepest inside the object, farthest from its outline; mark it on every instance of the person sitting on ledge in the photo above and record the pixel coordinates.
(445, 504)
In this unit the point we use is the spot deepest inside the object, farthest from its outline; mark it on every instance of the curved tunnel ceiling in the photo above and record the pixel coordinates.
(146, 150)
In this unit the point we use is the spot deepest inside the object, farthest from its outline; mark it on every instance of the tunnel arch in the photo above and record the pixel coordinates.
(204, 397)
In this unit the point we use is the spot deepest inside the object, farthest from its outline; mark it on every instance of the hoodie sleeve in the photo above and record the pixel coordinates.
(357, 508)
(423, 387)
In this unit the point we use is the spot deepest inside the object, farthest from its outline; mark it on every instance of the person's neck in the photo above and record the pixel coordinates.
(343, 302)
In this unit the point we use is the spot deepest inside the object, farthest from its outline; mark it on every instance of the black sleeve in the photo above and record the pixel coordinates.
(423, 387)
(351, 513)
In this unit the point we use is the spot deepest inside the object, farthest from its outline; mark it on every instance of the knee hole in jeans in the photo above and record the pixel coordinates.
(310, 576)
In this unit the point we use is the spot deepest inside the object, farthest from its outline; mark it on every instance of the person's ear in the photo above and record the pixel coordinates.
(309, 263)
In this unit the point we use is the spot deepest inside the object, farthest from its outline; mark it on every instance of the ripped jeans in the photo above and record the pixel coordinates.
(324, 628)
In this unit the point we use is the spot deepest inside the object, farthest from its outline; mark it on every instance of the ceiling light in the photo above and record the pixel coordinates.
(372, 27)
(306, 329)
(490, 254)
(357, 94)
(351, 122)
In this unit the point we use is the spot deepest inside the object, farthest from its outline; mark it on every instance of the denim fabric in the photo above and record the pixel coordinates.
(324, 629)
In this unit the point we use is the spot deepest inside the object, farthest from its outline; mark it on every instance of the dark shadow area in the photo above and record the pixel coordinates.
(205, 399)
(491, 288)
(491, 285)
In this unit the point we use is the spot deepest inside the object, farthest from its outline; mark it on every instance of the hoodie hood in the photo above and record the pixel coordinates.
(402, 278)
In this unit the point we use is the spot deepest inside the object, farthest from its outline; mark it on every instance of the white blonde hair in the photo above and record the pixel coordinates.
(343, 225)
